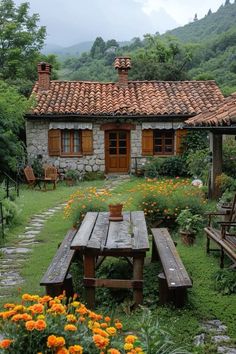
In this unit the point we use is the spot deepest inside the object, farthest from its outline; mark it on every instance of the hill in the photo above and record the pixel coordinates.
(211, 26)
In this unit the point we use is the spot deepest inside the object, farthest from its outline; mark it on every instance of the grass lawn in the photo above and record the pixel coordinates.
(204, 301)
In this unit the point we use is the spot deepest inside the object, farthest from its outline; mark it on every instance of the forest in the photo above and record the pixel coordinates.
(201, 50)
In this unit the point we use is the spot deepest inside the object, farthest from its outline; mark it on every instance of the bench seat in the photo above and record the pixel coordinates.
(227, 244)
(56, 278)
(176, 276)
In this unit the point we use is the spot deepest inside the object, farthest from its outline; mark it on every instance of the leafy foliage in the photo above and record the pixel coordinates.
(12, 109)
(225, 281)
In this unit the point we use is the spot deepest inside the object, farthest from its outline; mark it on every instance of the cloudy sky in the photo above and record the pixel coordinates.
(73, 21)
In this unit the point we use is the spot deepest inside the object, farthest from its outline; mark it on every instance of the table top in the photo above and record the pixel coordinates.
(99, 234)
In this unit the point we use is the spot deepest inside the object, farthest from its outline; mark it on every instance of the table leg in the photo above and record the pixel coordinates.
(138, 263)
(89, 272)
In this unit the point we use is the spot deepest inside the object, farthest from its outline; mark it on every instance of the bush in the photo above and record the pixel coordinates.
(152, 167)
(225, 182)
(229, 160)
(93, 176)
(198, 163)
(164, 202)
(72, 174)
(173, 166)
(10, 211)
(225, 281)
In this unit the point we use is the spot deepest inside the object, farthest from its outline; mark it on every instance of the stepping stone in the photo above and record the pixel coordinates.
(29, 243)
(32, 232)
(226, 350)
(27, 237)
(14, 250)
(11, 281)
(199, 340)
(36, 225)
(219, 339)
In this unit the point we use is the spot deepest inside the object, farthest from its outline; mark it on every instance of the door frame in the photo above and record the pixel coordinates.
(106, 147)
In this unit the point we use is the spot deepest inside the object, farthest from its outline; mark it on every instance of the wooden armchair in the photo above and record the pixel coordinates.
(30, 177)
(223, 235)
(51, 175)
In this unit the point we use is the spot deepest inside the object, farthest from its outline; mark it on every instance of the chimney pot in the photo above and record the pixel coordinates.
(44, 73)
(123, 65)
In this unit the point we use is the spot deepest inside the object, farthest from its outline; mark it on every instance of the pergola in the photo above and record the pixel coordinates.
(219, 121)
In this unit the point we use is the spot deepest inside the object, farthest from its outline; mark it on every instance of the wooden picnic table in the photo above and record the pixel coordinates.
(98, 237)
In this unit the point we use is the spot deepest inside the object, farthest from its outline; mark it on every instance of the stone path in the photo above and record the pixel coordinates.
(12, 257)
(215, 332)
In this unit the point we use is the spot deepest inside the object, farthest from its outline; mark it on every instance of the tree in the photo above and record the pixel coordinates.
(98, 48)
(12, 109)
(20, 40)
(195, 18)
(160, 60)
(209, 12)
(112, 43)
(227, 2)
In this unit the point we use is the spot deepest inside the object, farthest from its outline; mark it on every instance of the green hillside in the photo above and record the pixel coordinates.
(204, 49)
(210, 27)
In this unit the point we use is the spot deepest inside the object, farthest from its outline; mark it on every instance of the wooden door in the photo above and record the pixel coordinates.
(117, 150)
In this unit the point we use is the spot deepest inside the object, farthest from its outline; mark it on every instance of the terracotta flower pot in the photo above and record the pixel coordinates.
(115, 212)
(188, 238)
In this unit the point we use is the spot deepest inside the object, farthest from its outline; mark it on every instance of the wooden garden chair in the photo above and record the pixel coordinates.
(30, 177)
(50, 176)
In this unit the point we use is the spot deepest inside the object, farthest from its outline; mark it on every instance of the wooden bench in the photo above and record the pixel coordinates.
(223, 235)
(174, 282)
(56, 279)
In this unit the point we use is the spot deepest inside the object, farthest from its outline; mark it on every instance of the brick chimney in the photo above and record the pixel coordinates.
(123, 65)
(44, 73)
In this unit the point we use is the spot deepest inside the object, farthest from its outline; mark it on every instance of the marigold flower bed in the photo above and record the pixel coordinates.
(51, 325)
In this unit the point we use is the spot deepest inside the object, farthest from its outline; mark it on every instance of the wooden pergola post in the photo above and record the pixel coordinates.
(216, 167)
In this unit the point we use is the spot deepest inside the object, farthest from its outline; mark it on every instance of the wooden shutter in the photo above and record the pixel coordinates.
(147, 142)
(180, 134)
(54, 142)
(87, 142)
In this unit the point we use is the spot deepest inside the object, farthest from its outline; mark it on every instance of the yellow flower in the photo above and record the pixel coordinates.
(128, 346)
(111, 331)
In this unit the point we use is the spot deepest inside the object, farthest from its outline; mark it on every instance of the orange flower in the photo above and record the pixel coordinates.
(75, 349)
(30, 325)
(5, 343)
(71, 318)
(113, 351)
(107, 319)
(111, 331)
(62, 350)
(9, 306)
(100, 332)
(26, 317)
(51, 342)
(60, 342)
(118, 325)
(70, 327)
(45, 299)
(104, 325)
(37, 308)
(100, 341)
(57, 308)
(130, 339)
(40, 325)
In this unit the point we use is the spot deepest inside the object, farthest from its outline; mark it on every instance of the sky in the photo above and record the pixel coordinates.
(73, 21)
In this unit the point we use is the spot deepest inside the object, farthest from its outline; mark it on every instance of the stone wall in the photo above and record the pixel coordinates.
(37, 144)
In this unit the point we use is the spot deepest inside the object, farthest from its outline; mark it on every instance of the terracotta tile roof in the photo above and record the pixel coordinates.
(122, 63)
(223, 114)
(151, 98)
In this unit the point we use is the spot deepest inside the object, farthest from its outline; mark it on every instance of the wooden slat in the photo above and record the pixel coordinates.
(60, 264)
(113, 283)
(228, 243)
(119, 234)
(83, 234)
(140, 234)
(175, 272)
(99, 234)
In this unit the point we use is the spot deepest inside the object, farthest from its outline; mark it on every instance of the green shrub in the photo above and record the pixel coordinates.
(225, 281)
(225, 182)
(93, 176)
(37, 167)
(229, 160)
(10, 211)
(72, 174)
(198, 163)
(173, 166)
(152, 167)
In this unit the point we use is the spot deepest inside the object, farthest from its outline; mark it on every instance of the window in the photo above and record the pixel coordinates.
(70, 142)
(163, 142)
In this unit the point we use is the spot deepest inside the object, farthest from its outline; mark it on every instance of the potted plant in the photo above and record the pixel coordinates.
(71, 176)
(189, 225)
(115, 210)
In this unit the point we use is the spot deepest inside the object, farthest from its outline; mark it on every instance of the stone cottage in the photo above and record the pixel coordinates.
(114, 126)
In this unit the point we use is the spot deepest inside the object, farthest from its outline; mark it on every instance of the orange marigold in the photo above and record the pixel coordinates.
(100, 342)
(37, 308)
(130, 339)
(111, 331)
(5, 343)
(76, 349)
(113, 351)
(70, 327)
(30, 325)
(51, 342)
(40, 325)
(118, 325)
(71, 318)
(62, 350)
